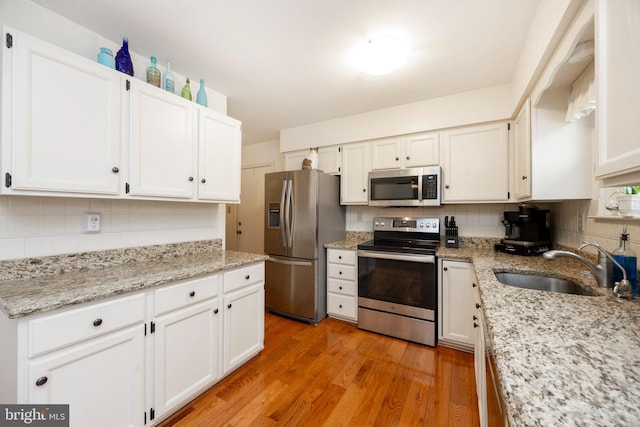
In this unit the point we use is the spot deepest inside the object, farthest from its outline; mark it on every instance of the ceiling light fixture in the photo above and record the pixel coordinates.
(380, 55)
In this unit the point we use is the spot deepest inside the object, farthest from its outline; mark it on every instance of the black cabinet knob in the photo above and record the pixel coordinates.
(340, 306)
(364, 190)
(408, 157)
(340, 273)
(115, 169)
(475, 325)
(97, 322)
(190, 178)
(397, 158)
(192, 294)
(203, 180)
(445, 268)
(228, 305)
(339, 256)
(340, 287)
(475, 317)
(446, 186)
(474, 285)
(247, 277)
(215, 311)
(41, 381)
(478, 305)
(524, 178)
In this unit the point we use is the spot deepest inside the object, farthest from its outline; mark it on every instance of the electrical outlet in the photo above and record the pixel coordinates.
(91, 222)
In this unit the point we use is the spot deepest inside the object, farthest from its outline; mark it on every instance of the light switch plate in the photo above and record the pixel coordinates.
(91, 222)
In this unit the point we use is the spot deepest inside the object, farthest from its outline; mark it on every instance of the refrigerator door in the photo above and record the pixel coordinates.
(290, 287)
(303, 214)
(275, 233)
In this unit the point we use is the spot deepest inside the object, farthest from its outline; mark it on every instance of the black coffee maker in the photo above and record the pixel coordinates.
(526, 231)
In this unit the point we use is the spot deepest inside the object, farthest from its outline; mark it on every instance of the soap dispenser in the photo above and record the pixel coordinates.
(628, 260)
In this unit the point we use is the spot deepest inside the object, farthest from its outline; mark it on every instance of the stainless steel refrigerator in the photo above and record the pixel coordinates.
(303, 213)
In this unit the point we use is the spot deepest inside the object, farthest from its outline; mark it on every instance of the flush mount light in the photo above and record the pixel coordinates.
(380, 55)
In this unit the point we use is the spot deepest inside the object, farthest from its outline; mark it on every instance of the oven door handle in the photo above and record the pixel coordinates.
(427, 259)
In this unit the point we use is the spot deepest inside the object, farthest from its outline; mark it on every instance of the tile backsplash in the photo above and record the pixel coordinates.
(32, 226)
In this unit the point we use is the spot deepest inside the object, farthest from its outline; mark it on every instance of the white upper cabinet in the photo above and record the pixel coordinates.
(405, 151)
(163, 146)
(61, 121)
(329, 159)
(522, 166)
(219, 145)
(617, 65)
(475, 163)
(356, 160)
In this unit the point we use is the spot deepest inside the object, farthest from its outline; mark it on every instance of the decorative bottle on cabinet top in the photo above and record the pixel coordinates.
(123, 59)
(167, 79)
(201, 97)
(186, 91)
(627, 259)
(105, 57)
(153, 74)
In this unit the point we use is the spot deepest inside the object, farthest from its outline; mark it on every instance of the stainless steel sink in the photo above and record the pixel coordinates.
(542, 283)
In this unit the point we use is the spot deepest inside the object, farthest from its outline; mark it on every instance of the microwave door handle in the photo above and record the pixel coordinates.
(420, 187)
(290, 217)
(283, 228)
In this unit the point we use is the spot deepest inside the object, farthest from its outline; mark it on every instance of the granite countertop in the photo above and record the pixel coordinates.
(352, 240)
(42, 284)
(562, 359)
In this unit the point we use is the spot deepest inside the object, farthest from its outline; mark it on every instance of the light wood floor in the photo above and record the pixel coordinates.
(334, 374)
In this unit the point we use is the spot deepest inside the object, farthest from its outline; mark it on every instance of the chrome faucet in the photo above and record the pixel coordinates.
(603, 271)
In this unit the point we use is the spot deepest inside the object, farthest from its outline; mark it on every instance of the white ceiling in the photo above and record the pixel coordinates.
(284, 63)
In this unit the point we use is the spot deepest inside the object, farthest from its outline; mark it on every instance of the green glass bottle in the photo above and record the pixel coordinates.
(153, 74)
(186, 91)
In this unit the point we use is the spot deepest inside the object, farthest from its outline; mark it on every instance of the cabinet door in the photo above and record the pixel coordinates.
(102, 379)
(187, 354)
(458, 302)
(163, 143)
(63, 113)
(219, 145)
(475, 164)
(617, 65)
(522, 167)
(330, 159)
(422, 150)
(243, 325)
(354, 178)
(387, 153)
(293, 159)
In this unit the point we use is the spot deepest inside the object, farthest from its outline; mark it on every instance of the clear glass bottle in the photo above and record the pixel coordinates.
(627, 259)
(167, 79)
(153, 74)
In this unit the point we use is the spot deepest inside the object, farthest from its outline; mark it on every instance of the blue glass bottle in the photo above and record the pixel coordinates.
(168, 82)
(105, 57)
(201, 97)
(123, 59)
(628, 260)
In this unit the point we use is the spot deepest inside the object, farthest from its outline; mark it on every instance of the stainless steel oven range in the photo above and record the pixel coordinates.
(397, 279)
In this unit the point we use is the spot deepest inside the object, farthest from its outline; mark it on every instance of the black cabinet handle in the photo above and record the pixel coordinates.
(475, 325)
(475, 317)
(474, 285)
(445, 268)
(97, 322)
(247, 277)
(41, 381)
(215, 311)
(203, 180)
(478, 305)
(115, 169)
(190, 178)
(524, 178)
(192, 294)
(228, 305)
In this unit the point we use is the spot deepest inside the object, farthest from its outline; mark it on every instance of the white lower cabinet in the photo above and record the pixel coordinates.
(243, 315)
(189, 323)
(342, 285)
(133, 360)
(457, 281)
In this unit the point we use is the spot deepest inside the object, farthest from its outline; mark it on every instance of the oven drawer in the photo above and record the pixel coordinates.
(341, 287)
(343, 272)
(341, 305)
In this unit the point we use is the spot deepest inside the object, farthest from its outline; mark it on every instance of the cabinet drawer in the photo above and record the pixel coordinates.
(344, 272)
(341, 256)
(341, 305)
(343, 287)
(61, 329)
(236, 279)
(187, 293)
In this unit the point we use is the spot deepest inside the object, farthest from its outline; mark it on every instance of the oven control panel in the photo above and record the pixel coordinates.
(424, 225)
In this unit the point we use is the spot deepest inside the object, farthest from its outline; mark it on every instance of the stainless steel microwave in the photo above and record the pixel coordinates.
(405, 187)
